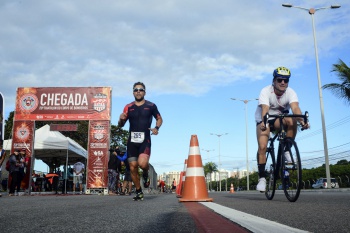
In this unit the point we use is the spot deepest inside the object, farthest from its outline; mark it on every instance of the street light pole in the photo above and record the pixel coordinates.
(208, 151)
(246, 135)
(219, 135)
(208, 161)
(312, 11)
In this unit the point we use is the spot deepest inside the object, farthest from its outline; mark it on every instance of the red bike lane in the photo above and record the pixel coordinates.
(207, 220)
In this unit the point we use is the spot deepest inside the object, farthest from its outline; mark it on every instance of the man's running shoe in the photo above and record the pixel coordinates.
(287, 157)
(146, 180)
(122, 193)
(261, 185)
(138, 197)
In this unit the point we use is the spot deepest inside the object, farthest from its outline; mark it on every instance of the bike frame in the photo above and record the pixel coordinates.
(278, 161)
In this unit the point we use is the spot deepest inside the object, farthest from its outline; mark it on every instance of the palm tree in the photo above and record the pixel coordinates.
(342, 89)
(209, 168)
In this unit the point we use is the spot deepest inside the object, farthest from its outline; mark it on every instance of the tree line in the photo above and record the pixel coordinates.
(340, 171)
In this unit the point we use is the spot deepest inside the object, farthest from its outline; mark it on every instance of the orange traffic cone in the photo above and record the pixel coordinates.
(195, 188)
(178, 187)
(182, 180)
(232, 189)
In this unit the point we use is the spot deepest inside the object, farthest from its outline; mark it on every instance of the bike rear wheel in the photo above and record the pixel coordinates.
(293, 181)
(270, 173)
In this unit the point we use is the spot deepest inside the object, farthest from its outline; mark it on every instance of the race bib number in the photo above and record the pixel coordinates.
(137, 137)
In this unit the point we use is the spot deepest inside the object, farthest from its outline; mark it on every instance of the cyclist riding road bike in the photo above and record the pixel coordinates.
(274, 99)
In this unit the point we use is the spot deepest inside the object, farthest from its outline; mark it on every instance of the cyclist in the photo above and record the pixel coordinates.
(274, 99)
(140, 113)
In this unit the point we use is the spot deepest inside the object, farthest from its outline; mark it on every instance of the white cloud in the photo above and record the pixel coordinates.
(177, 46)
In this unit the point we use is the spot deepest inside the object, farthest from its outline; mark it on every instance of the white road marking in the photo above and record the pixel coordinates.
(250, 222)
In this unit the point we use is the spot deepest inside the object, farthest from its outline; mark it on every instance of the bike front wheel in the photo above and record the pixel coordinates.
(270, 173)
(292, 171)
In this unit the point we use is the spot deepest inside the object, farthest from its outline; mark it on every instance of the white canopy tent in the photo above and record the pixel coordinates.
(53, 148)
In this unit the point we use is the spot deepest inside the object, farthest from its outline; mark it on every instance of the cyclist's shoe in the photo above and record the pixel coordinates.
(287, 157)
(138, 197)
(146, 180)
(261, 185)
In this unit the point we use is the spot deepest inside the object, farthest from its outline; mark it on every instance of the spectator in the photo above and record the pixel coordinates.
(2, 158)
(127, 180)
(14, 172)
(114, 165)
(78, 171)
(24, 163)
(173, 186)
(122, 156)
(33, 185)
(161, 186)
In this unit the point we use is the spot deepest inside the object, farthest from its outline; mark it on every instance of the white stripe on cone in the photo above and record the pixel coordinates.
(194, 150)
(185, 168)
(195, 171)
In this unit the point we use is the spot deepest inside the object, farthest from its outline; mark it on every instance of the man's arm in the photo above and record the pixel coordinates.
(122, 119)
(122, 158)
(264, 109)
(159, 123)
(296, 110)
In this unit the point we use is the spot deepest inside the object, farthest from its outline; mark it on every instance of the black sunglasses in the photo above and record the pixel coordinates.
(286, 80)
(139, 89)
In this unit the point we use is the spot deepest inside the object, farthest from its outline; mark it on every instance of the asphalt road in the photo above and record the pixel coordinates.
(93, 213)
(314, 211)
(322, 211)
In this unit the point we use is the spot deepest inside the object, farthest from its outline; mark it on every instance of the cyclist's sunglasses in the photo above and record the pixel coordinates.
(139, 89)
(286, 80)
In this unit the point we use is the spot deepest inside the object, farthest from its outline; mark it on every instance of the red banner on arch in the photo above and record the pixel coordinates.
(23, 138)
(98, 154)
(63, 103)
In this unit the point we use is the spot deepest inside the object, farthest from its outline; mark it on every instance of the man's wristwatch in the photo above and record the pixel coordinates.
(157, 127)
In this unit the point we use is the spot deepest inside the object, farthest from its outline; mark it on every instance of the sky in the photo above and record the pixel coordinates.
(193, 56)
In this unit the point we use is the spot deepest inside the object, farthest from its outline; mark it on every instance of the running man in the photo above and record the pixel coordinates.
(140, 113)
